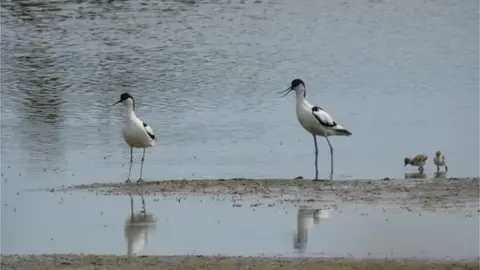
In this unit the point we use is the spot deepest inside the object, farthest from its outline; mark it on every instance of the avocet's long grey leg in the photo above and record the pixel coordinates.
(331, 158)
(316, 157)
(131, 161)
(141, 167)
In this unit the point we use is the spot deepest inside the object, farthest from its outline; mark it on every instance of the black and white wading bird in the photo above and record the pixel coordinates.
(137, 134)
(315, 120)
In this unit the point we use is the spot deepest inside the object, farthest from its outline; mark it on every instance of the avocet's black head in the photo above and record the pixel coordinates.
(126, 99)
(296, 83)
(293, 86)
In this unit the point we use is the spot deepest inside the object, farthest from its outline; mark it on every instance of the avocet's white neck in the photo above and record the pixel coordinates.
(300, 93)
(129, 104)
(129, 111)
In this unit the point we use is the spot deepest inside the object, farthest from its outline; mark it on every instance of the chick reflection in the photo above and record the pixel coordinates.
(138, 228)
(440, 175)
(415, 175)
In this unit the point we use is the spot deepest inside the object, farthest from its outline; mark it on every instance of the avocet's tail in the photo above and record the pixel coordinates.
(341, 131)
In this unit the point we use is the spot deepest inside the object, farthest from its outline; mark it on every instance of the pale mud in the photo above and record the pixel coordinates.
(432, 193)
(84, 262)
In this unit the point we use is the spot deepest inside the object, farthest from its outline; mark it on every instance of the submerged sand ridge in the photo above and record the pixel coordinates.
(427, 193)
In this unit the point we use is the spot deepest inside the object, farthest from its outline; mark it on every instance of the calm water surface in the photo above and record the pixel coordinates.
(86, 223)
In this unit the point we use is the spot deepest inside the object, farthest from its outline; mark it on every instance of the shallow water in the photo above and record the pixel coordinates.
(86, 223)
(401, 75)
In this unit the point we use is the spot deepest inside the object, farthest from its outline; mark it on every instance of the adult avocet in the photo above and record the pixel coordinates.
(136, 133)
(316, 121)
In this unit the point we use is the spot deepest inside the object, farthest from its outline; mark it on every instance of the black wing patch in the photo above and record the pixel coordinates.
(323, 123)
(145, 125)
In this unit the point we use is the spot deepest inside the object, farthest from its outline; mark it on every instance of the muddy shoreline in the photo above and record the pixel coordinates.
(83, 262)
(433, 193)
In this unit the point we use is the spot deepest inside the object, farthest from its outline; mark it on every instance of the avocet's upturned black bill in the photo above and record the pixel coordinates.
(136, 133)
(315, 120)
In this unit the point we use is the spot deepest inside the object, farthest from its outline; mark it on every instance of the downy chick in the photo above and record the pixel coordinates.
(418, 161)
(440, 161)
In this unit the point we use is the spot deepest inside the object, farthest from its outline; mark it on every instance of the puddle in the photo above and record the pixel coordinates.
(39, 223)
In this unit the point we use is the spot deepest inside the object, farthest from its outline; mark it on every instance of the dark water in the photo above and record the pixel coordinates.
(402, 76)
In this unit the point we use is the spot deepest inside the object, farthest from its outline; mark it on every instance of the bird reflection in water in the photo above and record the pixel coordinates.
(138, 229)
(306, 217)
(415, 175)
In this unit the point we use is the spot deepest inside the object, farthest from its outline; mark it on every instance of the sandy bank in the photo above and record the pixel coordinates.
(427, 193)
(55, 262)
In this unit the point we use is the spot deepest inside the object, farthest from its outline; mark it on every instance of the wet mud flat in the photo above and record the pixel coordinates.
(453, 192)
(70, 261)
